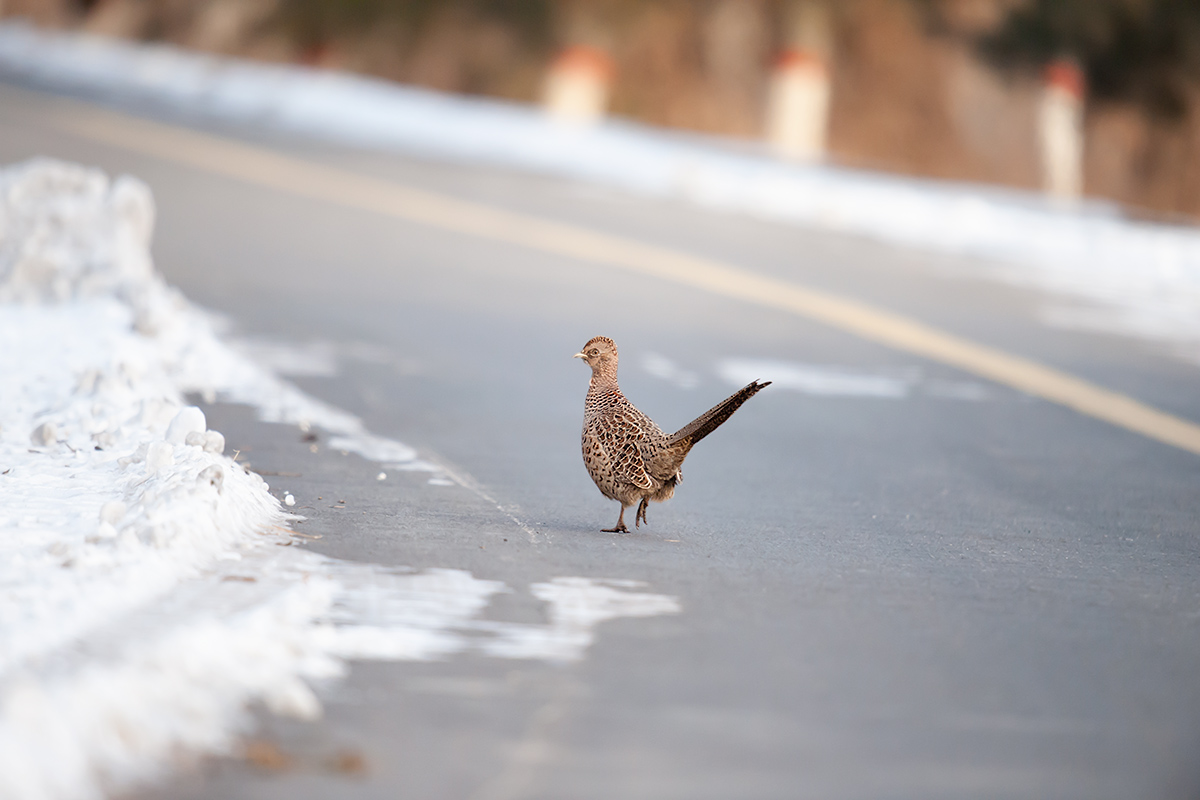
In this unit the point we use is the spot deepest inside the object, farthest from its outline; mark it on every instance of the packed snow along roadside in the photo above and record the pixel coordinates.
(145, 598)
(1135, 278)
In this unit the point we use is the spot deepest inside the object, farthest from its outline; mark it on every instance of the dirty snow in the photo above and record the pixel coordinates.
(148, 594)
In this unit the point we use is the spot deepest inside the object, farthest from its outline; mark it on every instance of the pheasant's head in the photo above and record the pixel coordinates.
(600, 353)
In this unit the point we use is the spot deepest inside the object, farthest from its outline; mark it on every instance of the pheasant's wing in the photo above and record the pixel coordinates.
(663, 460)
(618, 437)
(660, 457)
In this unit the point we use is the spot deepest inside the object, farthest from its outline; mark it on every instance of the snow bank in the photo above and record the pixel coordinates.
(97, 439)
(145, 598)
(1144, 278)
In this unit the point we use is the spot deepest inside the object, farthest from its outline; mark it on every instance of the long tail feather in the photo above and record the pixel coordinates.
(710, 420)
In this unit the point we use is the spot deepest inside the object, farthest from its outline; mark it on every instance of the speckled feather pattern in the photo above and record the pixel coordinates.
(616, 440)
(630, 459)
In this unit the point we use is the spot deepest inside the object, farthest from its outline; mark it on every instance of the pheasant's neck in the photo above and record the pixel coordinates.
(603, 379)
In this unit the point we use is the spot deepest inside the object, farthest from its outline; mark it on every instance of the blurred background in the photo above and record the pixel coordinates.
(1076, 97)
(909, 569)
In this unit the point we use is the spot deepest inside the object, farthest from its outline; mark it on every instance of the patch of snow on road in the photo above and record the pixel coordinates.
(1147, 275)
(279, 401)
(829, 380)
(316, 358)
(665, 369)
(294, 360)
(148, 591)
(385, 614)
(818, 379)
(577, 605)
(1172, 322)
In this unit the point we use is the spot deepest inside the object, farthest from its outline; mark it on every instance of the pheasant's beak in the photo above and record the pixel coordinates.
(580, 355)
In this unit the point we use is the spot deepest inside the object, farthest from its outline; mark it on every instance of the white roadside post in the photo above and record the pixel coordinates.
(1060, 131)
(577, 85)
(797, 122)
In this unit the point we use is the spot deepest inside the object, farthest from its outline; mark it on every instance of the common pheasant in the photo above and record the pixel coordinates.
(628, 456)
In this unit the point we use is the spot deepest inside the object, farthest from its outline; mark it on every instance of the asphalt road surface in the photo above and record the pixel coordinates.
(960, 590)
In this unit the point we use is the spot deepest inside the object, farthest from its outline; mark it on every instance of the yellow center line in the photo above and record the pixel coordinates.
(269, 169)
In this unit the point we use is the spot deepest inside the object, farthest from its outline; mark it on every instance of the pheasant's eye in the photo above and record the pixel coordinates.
(593, 352)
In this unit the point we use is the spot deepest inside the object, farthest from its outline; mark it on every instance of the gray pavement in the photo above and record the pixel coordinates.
(915, 597)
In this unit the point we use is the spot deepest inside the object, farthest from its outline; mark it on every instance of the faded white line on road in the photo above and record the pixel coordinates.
(262, 167)
(468, 482)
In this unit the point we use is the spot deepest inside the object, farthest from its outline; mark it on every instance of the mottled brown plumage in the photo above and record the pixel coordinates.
(628, 456)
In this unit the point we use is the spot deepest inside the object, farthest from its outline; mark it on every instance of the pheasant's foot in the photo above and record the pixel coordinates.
(620, 526)
(640, 517)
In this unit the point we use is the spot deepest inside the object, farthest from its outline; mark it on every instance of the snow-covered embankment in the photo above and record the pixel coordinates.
(145, 601)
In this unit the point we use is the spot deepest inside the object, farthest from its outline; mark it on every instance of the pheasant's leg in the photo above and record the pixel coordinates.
(620, 526)
(641, 513)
